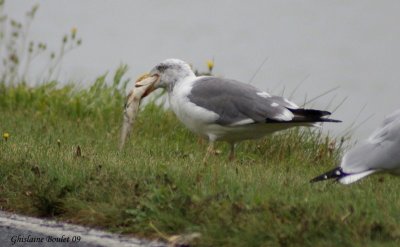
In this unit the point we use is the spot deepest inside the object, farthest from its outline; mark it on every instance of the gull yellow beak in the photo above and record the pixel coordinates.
(147, 81)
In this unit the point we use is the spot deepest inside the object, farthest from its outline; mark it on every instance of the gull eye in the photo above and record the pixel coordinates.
(162, 67)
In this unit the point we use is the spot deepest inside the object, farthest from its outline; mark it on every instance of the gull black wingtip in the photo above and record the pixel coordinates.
(331, 120)
(312, 115)
(335, 173)
(319, 178)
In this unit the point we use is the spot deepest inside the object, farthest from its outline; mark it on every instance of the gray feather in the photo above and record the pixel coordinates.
(233, 101)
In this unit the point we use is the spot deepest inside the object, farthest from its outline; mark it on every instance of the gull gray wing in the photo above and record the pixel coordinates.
(379, 152)
(392, 117)
(238, 103)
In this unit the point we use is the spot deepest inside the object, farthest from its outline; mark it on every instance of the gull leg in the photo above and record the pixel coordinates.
(232, 152)
(200, 141)
(210, 150)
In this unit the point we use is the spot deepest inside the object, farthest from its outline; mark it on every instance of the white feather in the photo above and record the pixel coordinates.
(243, 122)
(355, 177)
(264, 94)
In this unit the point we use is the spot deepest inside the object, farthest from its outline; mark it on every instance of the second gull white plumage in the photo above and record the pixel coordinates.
(379, 153)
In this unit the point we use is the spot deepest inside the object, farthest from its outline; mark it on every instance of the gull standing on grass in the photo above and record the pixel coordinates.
(379, 153)
(221, 109)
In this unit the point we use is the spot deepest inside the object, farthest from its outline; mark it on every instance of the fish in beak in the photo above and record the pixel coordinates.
(147, 82)
(143, 87)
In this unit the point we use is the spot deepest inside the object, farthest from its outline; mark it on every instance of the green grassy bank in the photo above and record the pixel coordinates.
(158, 186)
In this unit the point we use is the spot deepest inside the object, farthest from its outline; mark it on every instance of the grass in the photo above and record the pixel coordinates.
(158, 186)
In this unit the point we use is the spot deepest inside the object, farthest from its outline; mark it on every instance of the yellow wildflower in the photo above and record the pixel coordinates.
(6, 136)
(73, 32)
(210, 65)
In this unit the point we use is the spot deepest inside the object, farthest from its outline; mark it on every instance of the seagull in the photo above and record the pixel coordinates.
(220, 109)
(379, 153)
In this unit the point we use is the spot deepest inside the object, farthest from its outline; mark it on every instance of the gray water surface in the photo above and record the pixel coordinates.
(350, 44)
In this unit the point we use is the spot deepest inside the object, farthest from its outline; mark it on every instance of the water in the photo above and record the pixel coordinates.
(353, 45)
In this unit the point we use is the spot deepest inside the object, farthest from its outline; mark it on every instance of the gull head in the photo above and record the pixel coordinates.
(169, 72)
